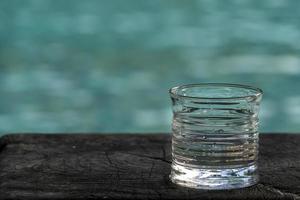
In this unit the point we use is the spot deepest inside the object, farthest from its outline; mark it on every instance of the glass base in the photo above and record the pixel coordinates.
(214, 179)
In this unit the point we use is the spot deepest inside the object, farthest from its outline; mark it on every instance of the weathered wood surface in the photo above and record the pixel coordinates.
(128, 166)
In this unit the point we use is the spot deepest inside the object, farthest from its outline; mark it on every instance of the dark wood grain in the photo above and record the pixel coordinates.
(128, 166)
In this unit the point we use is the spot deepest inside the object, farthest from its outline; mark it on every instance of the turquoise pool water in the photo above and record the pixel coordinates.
(106, 66)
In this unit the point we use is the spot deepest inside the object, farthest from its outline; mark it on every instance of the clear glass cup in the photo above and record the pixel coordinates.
(215, 135)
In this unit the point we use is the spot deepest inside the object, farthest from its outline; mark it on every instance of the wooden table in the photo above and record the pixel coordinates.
(131, 166)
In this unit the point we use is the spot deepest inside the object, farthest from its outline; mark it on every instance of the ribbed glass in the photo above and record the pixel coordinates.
(215, 135)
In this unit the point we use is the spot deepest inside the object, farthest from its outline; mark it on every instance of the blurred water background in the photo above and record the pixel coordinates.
(106, 66)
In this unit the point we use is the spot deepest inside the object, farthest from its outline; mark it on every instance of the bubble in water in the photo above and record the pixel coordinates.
(219, 131)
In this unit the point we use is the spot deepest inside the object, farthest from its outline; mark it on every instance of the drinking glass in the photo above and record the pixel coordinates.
(215, 135)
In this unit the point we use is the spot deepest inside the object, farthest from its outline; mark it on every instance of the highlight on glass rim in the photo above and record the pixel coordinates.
(133, 99)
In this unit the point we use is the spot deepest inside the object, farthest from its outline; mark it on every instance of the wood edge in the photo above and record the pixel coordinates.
(18, 137)
(84, 134)
(13, 137)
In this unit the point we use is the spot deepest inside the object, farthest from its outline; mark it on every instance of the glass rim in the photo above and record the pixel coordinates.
(258, 92)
